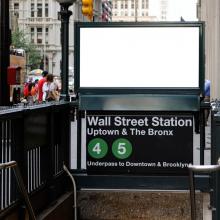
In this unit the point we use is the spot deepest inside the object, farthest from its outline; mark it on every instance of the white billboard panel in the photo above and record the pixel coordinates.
(139, 57)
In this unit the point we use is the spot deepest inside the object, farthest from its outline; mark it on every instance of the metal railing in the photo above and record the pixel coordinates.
(74, 190)
(20, 182)
(198, 169)
(36, 137)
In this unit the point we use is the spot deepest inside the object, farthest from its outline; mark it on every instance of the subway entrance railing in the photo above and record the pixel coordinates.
(193, 169)
(33, 162)
(20, 184)
(37, 138)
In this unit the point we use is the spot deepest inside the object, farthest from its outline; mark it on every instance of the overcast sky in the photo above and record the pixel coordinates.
(184, 8)
(176, 9)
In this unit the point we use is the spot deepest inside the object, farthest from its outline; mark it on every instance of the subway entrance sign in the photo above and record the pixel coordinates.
(139, 103)
(139, 144)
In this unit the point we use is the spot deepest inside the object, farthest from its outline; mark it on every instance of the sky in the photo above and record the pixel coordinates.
(184, 8)
(176, 9)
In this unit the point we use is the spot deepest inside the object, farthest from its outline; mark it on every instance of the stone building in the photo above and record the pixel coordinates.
(139, 10)
(209, 11)
(39, 20)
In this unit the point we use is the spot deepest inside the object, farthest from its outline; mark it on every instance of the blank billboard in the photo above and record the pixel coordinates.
(139, 57)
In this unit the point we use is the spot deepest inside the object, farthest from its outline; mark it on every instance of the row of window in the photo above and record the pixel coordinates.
(37, 10)
(37, 35)
(132, 14)
(124, 4)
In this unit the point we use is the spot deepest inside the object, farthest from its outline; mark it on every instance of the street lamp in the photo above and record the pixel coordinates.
(65, 15)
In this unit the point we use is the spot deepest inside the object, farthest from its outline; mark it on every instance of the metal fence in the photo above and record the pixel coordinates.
(37, 138)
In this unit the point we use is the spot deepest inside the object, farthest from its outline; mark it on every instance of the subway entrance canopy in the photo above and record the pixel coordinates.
(139, 87)
(116, 59)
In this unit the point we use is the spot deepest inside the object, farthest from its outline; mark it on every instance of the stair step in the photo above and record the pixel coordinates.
(137, 205)
(61, 209)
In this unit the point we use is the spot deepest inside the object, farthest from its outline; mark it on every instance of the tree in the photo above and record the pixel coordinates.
(20, 40)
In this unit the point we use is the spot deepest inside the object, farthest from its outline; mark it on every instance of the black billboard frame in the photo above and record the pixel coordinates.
(186, 96)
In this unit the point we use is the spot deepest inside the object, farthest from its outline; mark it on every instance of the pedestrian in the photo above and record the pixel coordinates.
(50, 89)
(29, 92)
(40, 85)
(207, 99)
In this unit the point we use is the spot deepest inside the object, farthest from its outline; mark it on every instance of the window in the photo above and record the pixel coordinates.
(163, 15)
(126, 4)
(16, 6)
(144, 4)
(39, 9)
(16, 9)
(32, 10)
(122, 4)
(39, 35)
(147, 3)
(32, 35)
(132, 3)
(46, 10)
(46, 35)
(116, 5)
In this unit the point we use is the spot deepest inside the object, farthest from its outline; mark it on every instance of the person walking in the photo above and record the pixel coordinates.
(40, 86)
(50, 90)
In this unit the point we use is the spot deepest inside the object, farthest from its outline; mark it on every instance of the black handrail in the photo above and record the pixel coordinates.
(74, 190)
(20, 182)
(198, 169)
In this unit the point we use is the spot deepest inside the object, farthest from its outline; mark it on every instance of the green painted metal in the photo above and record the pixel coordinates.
(215, 154)
(143, 102)
(112, 182)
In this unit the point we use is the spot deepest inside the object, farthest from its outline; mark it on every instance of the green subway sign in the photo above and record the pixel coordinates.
(139, 144)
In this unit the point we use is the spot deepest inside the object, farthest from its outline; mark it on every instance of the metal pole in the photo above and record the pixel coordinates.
(215, 153)
(65, 15)
(74, 190)
(4, 51)
(202, 133)
(192, 195)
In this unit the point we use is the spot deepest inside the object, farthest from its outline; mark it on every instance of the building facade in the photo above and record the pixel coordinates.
(39, 21)
(139, 10)
(209, 12)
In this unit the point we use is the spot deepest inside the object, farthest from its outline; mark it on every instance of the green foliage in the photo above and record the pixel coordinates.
(19, 40)
(34, 57)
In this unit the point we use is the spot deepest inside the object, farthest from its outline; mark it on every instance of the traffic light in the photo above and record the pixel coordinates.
(87, 9)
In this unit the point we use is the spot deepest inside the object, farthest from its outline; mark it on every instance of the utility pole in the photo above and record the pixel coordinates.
(4, 52)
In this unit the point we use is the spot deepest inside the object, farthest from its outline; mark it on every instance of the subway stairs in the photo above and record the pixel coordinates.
(139, 206)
